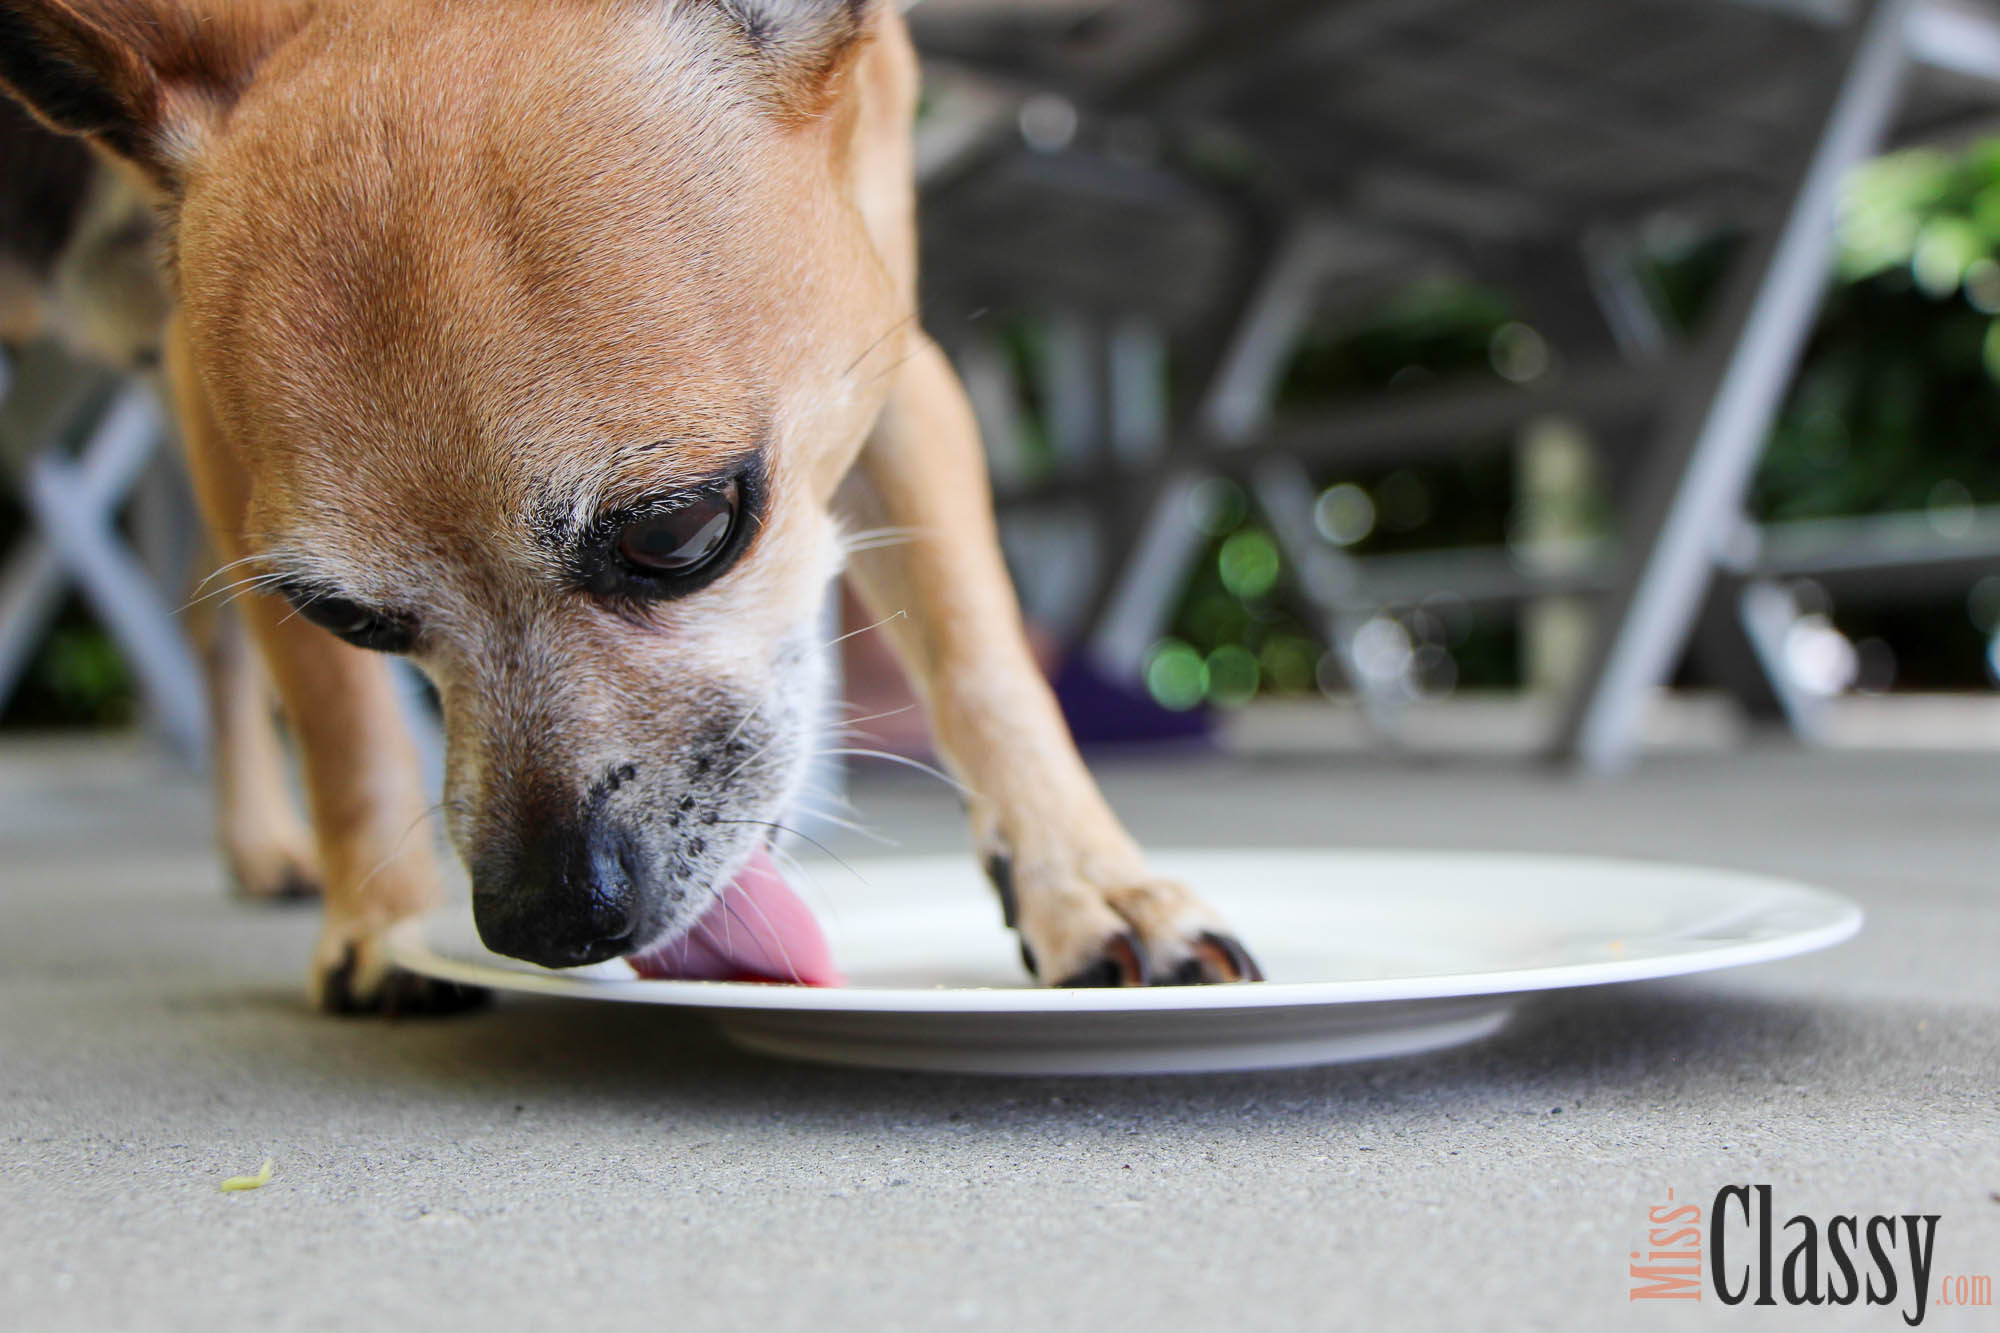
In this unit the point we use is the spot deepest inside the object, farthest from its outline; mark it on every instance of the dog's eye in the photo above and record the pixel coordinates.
(353, 622)
(682, 541)
(672, 545)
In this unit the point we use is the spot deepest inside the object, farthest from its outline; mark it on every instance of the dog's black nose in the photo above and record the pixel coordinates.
(567, 895)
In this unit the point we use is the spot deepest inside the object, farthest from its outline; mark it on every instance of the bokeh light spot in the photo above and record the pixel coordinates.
(1983, 604)
(1989, 351)
(1381, 649)
(1819, 658)
(1982, 286)
(1248, 563)
(1176, 676)
(1945, 249)
(1949, 509)
(1518, 353)
(1232, 675)
(1287, 663)
(1344, 514)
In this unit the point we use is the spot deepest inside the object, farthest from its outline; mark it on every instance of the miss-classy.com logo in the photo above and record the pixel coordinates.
(1729, 1252)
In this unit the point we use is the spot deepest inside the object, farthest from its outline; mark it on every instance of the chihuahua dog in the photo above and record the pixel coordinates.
(562, 346)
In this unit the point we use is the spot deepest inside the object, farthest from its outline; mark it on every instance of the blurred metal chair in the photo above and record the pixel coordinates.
(73, 502)
(1525, 143)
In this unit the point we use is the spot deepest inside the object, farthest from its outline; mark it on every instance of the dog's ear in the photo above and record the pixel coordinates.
(145, 79)
(804, 44)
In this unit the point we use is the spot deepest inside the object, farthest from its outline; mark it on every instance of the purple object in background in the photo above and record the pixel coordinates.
(1104, 711)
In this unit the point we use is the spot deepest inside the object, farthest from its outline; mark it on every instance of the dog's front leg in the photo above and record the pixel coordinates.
(363, 784)
(1070, 879)
(266, 846)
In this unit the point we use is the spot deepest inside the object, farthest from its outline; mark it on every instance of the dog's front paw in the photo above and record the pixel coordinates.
(279, 873)
(352, 974)
(1121, 930)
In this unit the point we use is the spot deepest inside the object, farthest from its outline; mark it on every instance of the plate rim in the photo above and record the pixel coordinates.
(409, 947)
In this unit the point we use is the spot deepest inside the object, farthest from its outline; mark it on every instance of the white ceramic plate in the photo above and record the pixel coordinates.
(1368, 953)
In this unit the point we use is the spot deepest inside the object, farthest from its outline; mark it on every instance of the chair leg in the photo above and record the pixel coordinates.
(31, 592)
(72, 505)
(1133, 607)
(1709, 449)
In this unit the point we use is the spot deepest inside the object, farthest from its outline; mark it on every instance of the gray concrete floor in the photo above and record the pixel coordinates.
(549, 1160)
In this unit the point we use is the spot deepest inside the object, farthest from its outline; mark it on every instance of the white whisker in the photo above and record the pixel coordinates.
(396, 849)
(222, 569)
(744, 721)
(229, 591)
(887, 334)
(893, 615)
(786, 828)
(783, 952)
(870, 539)
(907, 762)
(826, 793)
(806, 883)
(853, 722)
(858, 829)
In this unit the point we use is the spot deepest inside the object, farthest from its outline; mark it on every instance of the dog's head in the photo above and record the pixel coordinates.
(544, 331)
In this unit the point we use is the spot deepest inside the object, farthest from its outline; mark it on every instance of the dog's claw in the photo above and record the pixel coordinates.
(297, 887)
(290, 887)
(407, 995)
(1217, 959)
(1123, 963)
(399, 994)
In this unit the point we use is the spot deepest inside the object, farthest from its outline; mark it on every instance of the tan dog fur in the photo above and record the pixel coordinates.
(448, 276)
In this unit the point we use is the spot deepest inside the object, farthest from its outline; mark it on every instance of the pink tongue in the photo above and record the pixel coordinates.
(757, 931)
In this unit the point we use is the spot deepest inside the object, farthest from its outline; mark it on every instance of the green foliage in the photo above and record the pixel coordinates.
(1242, 619)
(78, 679)
(1934, 212)
(1896, 407)
(1431, 328)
